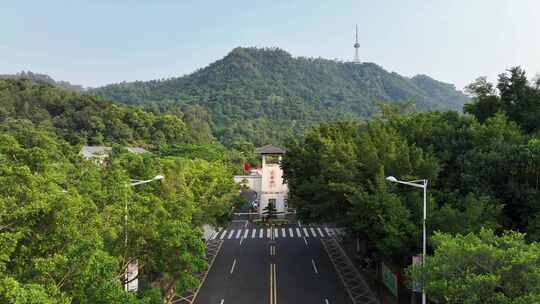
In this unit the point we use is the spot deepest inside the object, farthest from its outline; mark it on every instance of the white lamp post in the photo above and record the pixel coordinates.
(133, 183)
(421, 183)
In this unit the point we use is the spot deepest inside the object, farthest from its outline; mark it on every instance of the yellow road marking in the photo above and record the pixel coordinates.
(275, 285)
(271, 286)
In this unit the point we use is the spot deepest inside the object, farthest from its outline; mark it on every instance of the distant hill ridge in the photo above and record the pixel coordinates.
(265, 94)
(44, 79)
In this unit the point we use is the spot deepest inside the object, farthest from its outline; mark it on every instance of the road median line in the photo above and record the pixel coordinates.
(275, 285)
(271, 286)
(314, 266)
(233, 265)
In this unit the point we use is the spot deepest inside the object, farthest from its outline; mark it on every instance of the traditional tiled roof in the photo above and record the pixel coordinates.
(270, 149)
(104, 151)
(95, 151)
(137, 150)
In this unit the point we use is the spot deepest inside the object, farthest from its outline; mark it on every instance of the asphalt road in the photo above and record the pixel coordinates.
(243, 271)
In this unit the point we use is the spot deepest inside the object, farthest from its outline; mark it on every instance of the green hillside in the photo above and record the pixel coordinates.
(44, 79)
(263, 95)
(85, 119)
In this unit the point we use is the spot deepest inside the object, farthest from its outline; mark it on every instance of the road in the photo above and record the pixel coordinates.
(289, 266)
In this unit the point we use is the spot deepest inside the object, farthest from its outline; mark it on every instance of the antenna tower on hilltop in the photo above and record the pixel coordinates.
(356, 47)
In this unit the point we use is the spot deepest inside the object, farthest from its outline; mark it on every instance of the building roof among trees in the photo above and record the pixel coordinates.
(104, 151)
(270, 149)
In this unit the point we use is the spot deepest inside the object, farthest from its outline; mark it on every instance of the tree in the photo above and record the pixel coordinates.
(519, 99)
(481, 268)
(86, 119)
(485, 102)
(382, 219)
(62, 227)
(52, 247)
(270, 211)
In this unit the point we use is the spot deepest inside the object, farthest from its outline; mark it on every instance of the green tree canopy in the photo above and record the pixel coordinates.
(481, 268)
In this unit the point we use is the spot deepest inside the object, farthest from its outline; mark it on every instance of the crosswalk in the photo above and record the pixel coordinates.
(288, 232)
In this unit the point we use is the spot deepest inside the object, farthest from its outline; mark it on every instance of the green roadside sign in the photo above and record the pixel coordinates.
(389, 280)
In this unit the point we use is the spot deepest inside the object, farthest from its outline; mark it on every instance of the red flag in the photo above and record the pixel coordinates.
(247, 167)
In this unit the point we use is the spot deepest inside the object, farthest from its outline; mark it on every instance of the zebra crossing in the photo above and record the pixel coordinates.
(285, 232)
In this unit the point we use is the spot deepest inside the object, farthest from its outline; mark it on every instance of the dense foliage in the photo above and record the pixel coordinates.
(482, 268)
(481, 174)
(44, 79)
(85, 119)
(63, 234)
(516, 97)
(265, 95)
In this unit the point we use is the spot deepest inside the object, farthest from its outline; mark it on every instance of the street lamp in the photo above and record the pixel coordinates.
(420, 183)
(133, 183)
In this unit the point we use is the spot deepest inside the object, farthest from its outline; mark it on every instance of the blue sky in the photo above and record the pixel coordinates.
(96, 42)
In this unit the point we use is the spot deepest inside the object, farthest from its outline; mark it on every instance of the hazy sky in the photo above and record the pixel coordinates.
(95, 42)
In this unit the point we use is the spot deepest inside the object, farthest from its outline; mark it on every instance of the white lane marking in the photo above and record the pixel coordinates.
(283, 232)
(299, 224)
(298, 232)
(327, 231)
(305, 232)
(238, 233)
(231, 233)
(223, 234)
(320, 232)
(241, 240)
(253, 233)
(246, 233)
(305, 241)
(218, 233)
(223, 301)
(313, 231)
(276, 232)
(291, 233)
(273, 250)
(245, 225)
(234, 264)
(261, 233)
(325, 301)
(314, 266)
(268, 232)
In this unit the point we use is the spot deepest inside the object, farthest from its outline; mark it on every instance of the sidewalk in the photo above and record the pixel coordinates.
(372, 276)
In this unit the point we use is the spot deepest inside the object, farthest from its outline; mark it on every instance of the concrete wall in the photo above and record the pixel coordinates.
(253, 182)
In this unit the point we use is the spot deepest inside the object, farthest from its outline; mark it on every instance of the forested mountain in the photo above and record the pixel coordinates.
(86, 119)
(44, 79)
(263, 95)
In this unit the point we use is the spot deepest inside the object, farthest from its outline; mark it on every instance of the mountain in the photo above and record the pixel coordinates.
(81, 118)
(264, 95)
(44, 79)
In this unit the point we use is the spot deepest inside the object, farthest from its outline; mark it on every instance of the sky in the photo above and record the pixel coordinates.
(97, 42)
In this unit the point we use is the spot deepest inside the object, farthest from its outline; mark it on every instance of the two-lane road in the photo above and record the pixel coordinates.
(249, 271)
